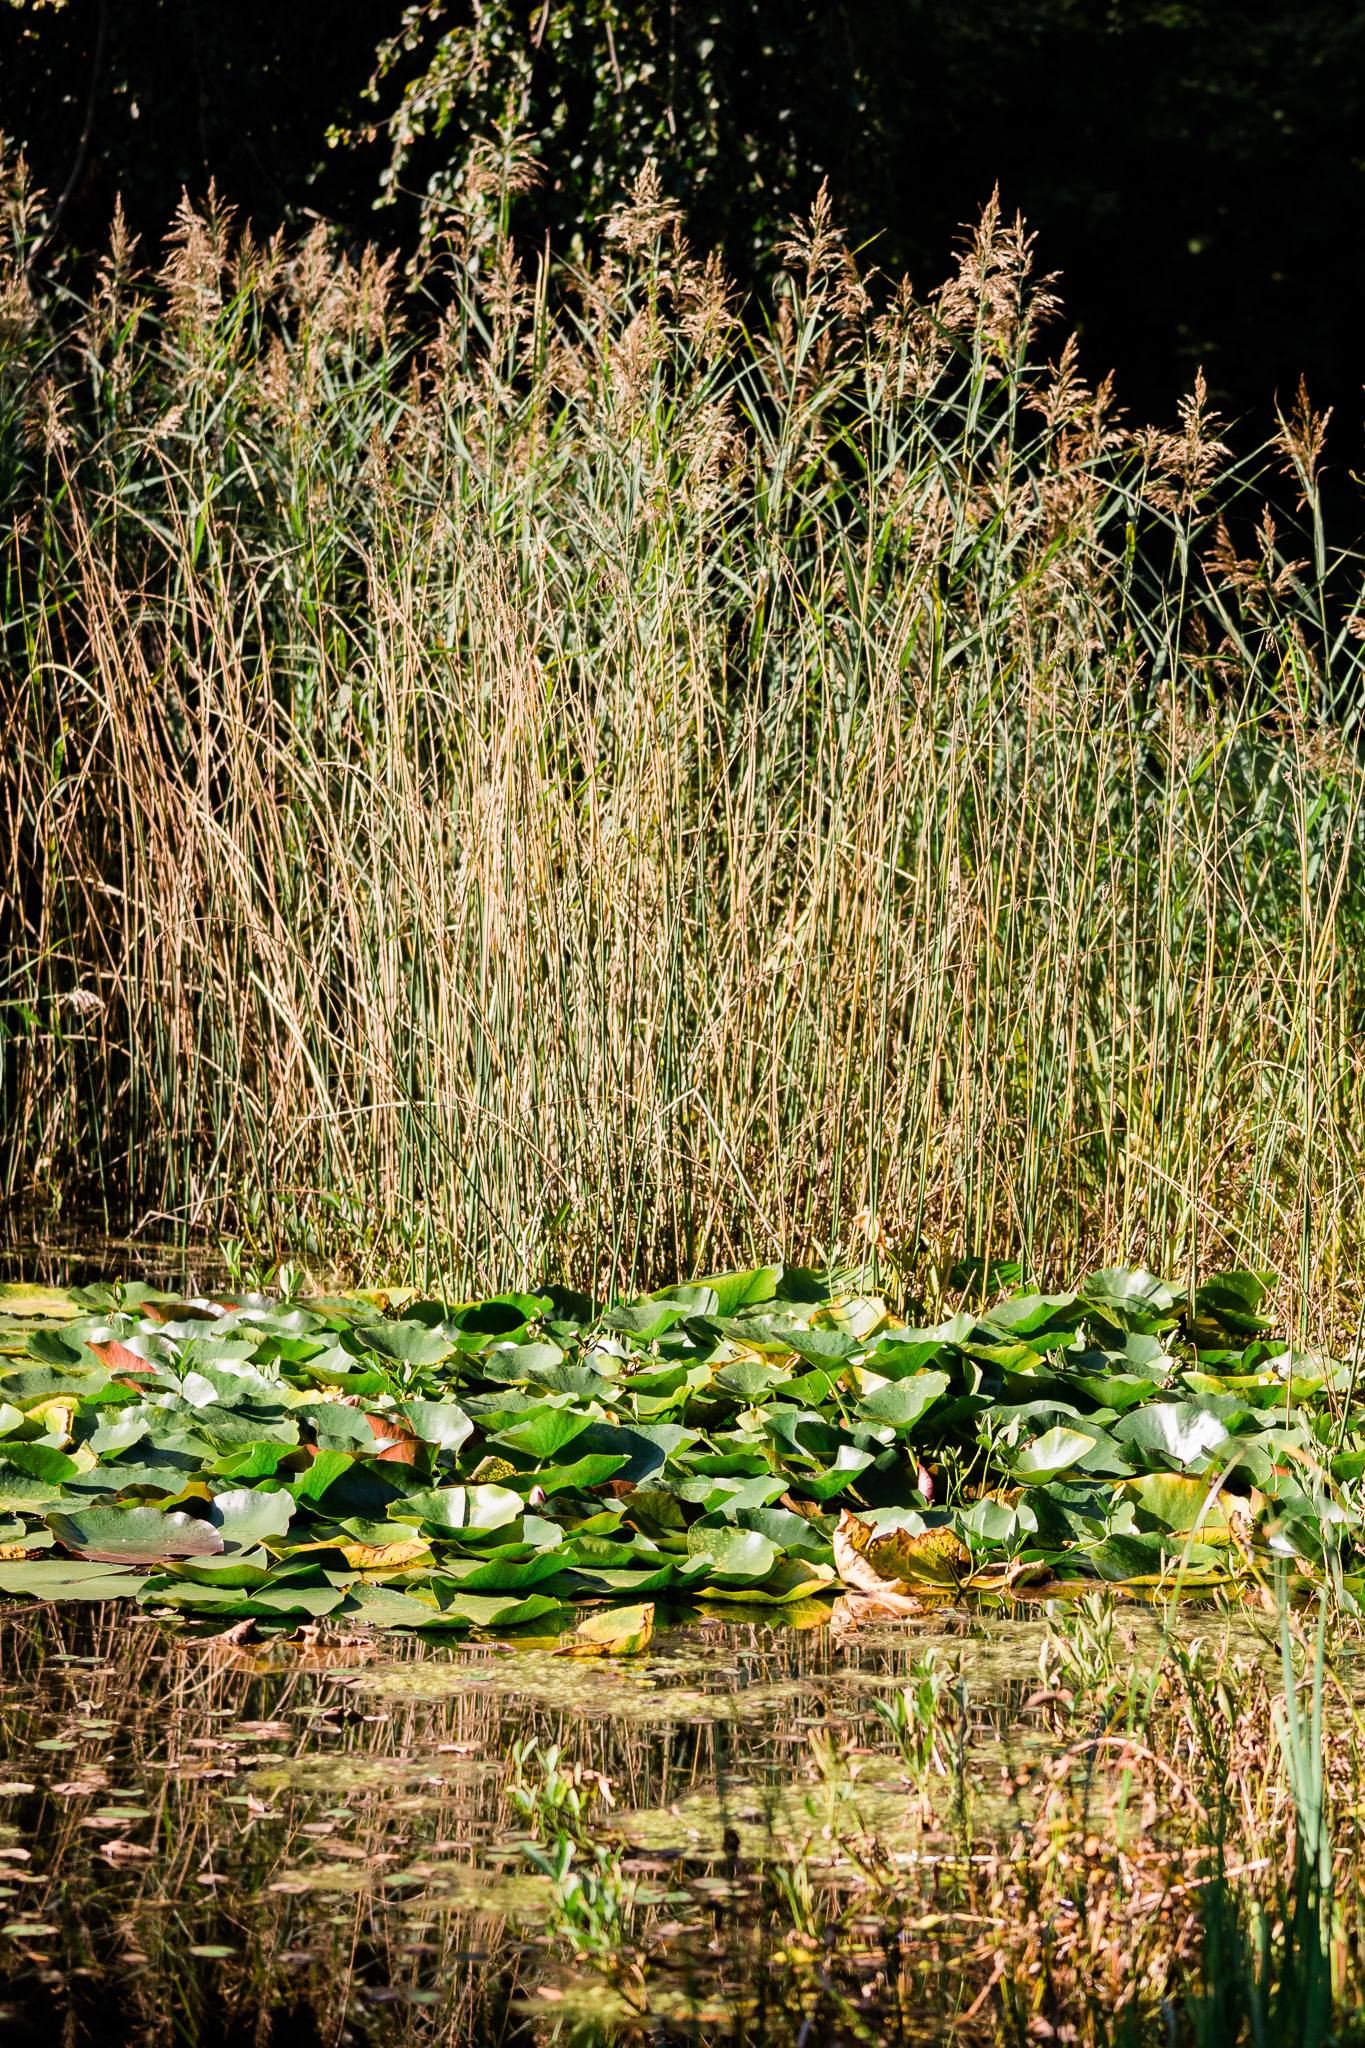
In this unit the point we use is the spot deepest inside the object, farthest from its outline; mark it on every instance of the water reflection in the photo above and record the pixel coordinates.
(302, 1842)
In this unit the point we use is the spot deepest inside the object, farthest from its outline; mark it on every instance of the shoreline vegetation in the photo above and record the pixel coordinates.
(733, 1661)
(777, 1438)
(577, 777)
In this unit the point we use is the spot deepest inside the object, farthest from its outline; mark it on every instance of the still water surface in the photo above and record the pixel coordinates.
(294, 1842)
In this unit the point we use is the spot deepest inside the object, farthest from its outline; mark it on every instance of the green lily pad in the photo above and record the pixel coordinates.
(735, 1553)
(1130, 1300)
(405, 1343)
(134, 1535)
(460, 1507)
(66, 1579)
(543, 1432)
(251, 1515)
(1049, 1455)
(906, 1401)
(436, 1422)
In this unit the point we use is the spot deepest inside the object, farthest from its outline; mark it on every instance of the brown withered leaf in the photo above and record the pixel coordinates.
(856, 1570)
(396, 1444)
(850, 1610)
(240, 1632)
(898, 1563)
(619, 1632)
(1003, 1578)
(130, 1369)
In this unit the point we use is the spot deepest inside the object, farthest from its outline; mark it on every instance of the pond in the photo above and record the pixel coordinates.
(313, 1840)
(740, 1663)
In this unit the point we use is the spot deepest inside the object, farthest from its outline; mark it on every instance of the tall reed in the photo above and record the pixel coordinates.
(593, 787)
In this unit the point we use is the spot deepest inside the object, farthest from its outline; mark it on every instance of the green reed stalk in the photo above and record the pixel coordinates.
(608, 788)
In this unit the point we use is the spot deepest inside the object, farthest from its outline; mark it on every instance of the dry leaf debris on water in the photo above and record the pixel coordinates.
(766, 1440)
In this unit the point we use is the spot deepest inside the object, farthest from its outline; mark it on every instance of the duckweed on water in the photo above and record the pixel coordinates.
(287, 1843)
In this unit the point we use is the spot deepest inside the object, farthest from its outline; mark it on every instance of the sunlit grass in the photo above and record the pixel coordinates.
(610, 791)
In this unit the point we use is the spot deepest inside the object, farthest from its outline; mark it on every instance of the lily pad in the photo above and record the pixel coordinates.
(251, 1515)
(905, 1401)
(134, 1535)
(619, 1632)
(735, 1553)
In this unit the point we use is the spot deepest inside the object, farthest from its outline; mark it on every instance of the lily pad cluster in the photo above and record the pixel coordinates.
(760, 1438)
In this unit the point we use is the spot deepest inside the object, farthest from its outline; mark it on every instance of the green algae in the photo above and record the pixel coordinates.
(632, 1693)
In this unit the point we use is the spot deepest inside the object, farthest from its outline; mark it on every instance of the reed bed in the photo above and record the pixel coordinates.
(561, 777)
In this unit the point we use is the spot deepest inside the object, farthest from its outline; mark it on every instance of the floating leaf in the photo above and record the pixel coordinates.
(64, 1579)
(120, 1432)
(250, 1515)
(742, 1290)
(327, 1467)
(405, 1343)
(543, 1432)
(1026, 1315)
(647, 1320)
(749, 1379)
(503, 1575)
(1179, 1429)
(905, 1401)
(1232, 1302)
(856, 1569)
(495, 1610)
(1049, 1455)
(619, 1632)
(900, 1556)
(849, 1464)
(1180, 1503)
(460, 1507)
(39, 1461)
(735, 1553)
(22, 1298)
(792, 1580)
(134, 1535)
(385, 1556)
(1130, 1300)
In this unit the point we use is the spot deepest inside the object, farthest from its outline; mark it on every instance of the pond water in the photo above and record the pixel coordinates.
(310, 1842)
(797, 1822)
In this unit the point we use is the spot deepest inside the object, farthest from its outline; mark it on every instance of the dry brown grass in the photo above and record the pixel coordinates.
(604, 792)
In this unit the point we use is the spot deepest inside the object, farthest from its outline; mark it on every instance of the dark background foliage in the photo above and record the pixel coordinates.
(1194, 168)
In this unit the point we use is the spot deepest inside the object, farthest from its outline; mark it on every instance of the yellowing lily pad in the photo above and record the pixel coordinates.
(619, 1632)
(792, 1580)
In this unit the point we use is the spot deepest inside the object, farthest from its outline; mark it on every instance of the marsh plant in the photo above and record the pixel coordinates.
(582, 776)
(912, 1717)
(593, 1899)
